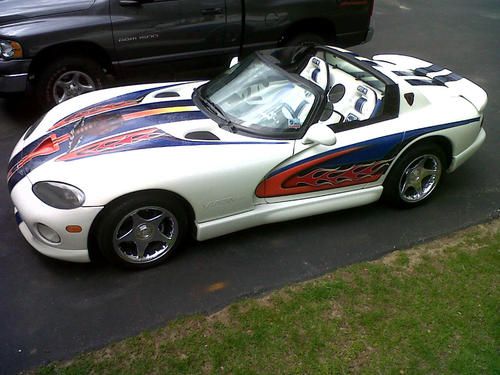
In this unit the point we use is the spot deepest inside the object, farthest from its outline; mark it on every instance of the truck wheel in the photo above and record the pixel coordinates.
(304, 38)
(66, 78)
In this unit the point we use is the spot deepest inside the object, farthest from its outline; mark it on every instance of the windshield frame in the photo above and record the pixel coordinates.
(200, 94)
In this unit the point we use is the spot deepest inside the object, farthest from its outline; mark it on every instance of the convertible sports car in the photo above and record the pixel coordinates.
(129, 172)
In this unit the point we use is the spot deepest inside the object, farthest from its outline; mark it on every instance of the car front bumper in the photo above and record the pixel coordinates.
(14, 75)
(30, 211)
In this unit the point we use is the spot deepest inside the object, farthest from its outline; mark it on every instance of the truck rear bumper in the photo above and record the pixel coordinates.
(14, 75)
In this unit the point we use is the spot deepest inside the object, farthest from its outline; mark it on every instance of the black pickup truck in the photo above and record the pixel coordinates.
(62, 48)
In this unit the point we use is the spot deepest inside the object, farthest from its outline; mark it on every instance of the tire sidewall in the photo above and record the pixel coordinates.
(391, 184)
(304, 38)
(113, 214)
(51, 73)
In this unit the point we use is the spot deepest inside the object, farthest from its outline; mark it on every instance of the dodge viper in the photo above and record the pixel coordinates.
(129, 172)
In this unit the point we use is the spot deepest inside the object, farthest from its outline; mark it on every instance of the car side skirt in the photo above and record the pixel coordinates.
(289, 210)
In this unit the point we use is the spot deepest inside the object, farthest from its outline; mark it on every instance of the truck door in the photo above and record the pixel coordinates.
(156, 31)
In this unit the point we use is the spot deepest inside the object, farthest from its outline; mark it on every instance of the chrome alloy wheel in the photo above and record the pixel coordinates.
(420, 178)
(71, 84)
(145, 235)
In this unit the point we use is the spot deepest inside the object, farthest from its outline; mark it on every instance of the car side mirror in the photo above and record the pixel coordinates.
(319, 134)
(233, 62)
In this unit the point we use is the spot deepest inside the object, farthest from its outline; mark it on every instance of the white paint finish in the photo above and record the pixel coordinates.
(76, 256)
(33, 211)
(276, 212)
(199, 174)
(219, 180)
(319, 134)
(461, 158)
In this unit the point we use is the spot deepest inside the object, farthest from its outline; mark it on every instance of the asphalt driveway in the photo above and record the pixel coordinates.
(51, 310)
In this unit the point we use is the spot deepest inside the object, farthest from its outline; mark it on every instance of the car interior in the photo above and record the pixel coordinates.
(352, 94)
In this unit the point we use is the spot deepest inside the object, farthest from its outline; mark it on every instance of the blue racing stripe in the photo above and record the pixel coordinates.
(376, 149)
(452, 77)
(429, 69)
(423, 82)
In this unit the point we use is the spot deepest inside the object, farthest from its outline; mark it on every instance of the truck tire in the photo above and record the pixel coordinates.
(304, 38)
(66, 78)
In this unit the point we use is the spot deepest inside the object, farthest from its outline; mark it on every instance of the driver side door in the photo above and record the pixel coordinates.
(359, 157)
(157, 31)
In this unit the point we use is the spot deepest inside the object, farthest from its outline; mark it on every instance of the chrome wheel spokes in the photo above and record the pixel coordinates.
(71, 84)
(145, 234)
(420, 178)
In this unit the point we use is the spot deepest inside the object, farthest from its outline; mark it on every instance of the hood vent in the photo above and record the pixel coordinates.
(167, 94)
(202, 136)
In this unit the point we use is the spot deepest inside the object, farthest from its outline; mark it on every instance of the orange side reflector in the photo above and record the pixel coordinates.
(73, 228)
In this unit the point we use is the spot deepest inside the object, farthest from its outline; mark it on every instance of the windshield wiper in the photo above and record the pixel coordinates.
(215, 109)
(229, 126)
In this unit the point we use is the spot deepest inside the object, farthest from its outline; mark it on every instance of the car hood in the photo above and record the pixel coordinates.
(118, 121)
(16, 10)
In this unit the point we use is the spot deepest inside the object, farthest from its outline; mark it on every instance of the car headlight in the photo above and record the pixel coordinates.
(10, 50)
(59, 195)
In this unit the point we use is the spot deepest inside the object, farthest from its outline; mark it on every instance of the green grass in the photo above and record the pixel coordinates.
(434, 309)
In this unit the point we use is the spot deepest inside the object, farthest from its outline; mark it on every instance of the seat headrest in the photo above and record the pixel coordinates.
(316, 71)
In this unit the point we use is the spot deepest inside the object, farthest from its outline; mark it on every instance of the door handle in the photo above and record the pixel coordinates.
(128, 3)
(212, 11)
(134, 3)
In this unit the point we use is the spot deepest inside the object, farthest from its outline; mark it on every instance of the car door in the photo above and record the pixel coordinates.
(359, 158)
(155, 31)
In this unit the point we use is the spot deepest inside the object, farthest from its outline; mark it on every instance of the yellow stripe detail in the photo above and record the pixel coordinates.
(158, 111)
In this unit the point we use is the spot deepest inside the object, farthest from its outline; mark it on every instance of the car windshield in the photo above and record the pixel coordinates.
(261, 98)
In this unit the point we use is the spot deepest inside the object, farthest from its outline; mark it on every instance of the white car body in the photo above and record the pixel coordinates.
(222, 180)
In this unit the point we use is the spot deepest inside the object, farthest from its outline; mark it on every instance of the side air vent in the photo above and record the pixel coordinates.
(167, 94)
(410, 98)
(202, 136)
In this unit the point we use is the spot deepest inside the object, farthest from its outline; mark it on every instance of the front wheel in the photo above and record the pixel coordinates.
(142, 230)
(415, 176)
(66, 78)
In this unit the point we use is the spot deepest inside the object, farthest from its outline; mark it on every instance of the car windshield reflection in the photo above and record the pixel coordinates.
(262, 98)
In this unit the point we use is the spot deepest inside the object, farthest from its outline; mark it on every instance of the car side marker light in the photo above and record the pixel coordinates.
(73, 229)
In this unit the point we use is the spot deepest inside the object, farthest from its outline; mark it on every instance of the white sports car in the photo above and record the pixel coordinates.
(286, 133)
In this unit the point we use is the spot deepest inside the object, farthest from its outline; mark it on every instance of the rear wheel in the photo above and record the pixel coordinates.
(141, 230)
(415, 176)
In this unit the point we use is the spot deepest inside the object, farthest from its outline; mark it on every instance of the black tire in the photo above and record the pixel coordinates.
(401, 187)
(53, 71)
(304, 38)
(124, 216)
